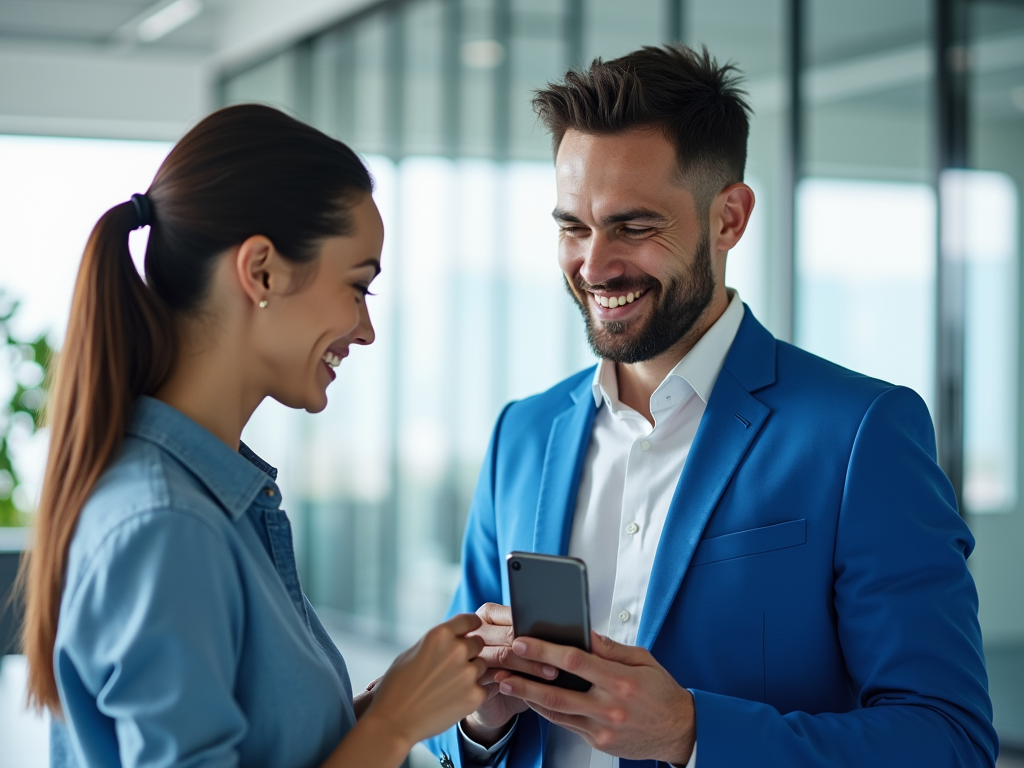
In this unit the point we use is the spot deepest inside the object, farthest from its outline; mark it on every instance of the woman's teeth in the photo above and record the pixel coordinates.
(618, 301)
(331, 359)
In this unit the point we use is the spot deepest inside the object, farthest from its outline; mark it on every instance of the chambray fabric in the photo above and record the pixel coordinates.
(184, 637)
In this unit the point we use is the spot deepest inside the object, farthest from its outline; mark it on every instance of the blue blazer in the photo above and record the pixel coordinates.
(811, 584)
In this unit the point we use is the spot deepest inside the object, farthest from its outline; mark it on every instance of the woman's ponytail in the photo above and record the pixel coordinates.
(119, 344)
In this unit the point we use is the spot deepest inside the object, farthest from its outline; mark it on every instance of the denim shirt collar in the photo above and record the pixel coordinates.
(233, 478)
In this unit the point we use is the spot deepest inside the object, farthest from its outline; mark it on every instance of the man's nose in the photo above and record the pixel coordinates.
(600, 262)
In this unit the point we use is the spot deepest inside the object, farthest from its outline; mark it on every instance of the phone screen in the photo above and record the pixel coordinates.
(550, 602)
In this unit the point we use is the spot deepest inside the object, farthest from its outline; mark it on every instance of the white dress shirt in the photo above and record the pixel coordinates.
(629, 478)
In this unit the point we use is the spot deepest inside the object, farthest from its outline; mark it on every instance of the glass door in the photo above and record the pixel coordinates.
(982, 214)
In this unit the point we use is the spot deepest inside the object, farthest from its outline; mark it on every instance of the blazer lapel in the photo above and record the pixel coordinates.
(560, 476)
(731, 422)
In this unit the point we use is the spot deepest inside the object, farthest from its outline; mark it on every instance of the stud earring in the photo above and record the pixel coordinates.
(263, 304)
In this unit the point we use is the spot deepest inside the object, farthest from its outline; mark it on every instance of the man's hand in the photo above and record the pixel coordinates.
(488, 724)
(634, 710)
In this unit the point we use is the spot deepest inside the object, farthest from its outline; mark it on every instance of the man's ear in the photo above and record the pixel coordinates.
(258, 268)
(730, 214)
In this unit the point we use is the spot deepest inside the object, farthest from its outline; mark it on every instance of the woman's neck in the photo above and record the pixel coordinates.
(208, 386)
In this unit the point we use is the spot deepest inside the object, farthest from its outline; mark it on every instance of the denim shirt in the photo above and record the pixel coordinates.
(184, 637)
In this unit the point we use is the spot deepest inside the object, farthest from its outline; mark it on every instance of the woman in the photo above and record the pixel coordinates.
(165, 623)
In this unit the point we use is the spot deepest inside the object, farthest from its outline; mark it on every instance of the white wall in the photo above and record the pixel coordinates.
(91, 92)
(145, 93)
(250, 27)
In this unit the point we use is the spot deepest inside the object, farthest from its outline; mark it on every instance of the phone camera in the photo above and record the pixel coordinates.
(516, 565)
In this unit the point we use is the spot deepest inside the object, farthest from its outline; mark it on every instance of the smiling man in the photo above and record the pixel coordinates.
(778, 572)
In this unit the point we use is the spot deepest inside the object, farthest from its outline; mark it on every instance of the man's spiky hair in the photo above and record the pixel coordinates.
(696, 102)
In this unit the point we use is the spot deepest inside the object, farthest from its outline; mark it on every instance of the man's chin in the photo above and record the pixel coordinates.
(617, 347)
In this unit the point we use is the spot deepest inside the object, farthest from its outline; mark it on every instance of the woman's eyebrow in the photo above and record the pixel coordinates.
(371, 262)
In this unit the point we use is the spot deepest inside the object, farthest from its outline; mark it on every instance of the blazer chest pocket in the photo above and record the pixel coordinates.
(752, 541)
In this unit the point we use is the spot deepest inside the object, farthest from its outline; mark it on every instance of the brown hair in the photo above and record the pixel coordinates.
(242, 171)
(688, 95)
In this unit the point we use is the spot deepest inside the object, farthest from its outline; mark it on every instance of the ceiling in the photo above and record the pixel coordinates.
(96, 22)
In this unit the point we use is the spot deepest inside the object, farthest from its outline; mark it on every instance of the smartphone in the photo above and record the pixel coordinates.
(550, 601)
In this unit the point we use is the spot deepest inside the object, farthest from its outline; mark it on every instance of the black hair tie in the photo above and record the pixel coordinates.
(143, 211)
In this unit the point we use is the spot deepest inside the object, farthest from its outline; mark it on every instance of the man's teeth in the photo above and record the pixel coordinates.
(618, 301)
(331, 359)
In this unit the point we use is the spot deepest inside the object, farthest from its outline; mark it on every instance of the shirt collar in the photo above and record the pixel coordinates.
(233, 478)
(699, 368)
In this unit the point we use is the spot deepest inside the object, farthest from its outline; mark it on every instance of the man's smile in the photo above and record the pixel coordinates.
(607, 305)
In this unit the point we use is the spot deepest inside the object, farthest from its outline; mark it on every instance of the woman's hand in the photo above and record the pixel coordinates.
(434, 684)
(428, 688)
(362, 700)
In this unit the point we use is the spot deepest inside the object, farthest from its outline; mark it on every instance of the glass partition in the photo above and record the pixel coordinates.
(984, 228)
(471, 310)
(866, 208)
(751, 35)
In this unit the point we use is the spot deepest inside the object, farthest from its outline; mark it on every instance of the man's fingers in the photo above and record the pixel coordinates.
(463, 623)
(606, 648)
(575, 723)
(548, 696)
(487, 678)
(492, 613)
(494, 634)
(580, 663)
(502, 657)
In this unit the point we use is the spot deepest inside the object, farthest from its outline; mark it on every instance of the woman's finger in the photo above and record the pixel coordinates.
(463, 623)
(481, 668)
(474, 645)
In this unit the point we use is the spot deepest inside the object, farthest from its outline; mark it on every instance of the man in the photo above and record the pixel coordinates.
(777, 567)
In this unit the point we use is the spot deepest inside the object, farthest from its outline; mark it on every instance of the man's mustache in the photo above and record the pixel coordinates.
(616, 285)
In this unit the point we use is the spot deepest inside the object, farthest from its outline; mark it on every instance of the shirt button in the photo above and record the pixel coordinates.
(270, 491)
(644, 445)
(632, 528)
(623, 615)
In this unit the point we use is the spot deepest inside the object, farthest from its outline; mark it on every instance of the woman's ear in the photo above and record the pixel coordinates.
(258, 267)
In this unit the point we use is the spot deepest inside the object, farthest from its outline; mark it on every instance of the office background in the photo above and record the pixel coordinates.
(886, 153)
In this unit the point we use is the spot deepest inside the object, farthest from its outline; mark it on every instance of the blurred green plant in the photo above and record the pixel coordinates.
(24, 364)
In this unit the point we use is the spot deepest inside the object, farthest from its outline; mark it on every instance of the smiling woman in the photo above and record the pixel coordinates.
(159, 535)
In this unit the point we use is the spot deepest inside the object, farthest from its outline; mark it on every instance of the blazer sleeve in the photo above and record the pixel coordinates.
(481, 575)
(907, 617)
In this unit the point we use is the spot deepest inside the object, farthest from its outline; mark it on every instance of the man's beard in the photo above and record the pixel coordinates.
(676, 310)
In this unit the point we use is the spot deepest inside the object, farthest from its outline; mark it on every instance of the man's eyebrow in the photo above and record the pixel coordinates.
(371, 262)
(559, 215)
(634, 214)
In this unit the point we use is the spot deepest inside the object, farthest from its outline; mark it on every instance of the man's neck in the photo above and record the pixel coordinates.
(637, 381)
